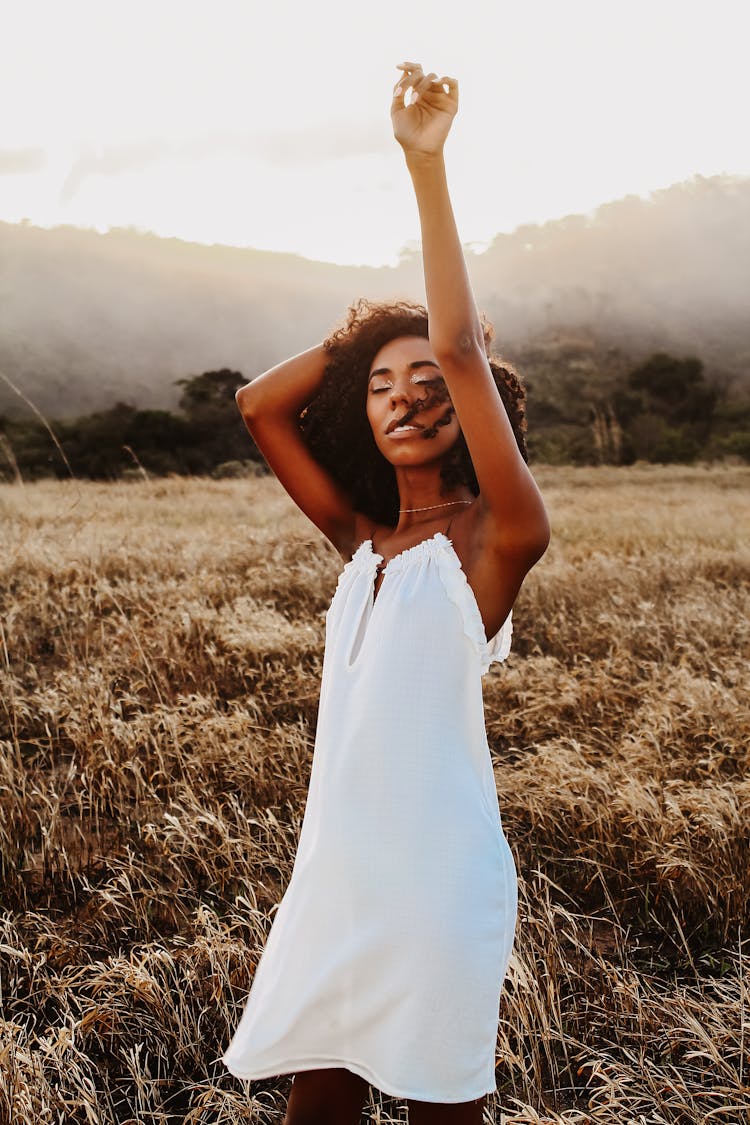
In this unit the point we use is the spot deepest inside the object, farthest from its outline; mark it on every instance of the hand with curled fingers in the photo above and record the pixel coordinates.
(422, 110)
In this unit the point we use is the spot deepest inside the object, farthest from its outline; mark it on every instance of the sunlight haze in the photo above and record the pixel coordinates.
(267, 125)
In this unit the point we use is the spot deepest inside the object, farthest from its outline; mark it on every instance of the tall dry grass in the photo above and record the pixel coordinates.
(160, 654)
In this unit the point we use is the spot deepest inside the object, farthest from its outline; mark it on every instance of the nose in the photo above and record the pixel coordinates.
(405, 393)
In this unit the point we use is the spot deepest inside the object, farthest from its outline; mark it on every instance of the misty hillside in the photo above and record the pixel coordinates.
(87, 319)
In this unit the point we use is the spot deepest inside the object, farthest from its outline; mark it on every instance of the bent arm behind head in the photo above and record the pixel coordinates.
(270, 406)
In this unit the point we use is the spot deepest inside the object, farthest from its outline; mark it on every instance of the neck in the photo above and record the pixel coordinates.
(420, 489)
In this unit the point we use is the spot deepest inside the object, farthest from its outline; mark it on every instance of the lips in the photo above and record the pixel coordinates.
(397, 422)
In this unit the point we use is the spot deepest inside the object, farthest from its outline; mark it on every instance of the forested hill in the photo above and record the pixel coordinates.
(89, 319)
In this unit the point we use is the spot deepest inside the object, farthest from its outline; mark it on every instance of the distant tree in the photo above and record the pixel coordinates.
(666, 409)
(216, 429)
(96, 444)
(211, 392)
(571, 378)
(731, 432)
(33, 454)
(680, 389)
(209, 432)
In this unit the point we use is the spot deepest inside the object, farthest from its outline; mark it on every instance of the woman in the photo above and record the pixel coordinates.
(388, 952)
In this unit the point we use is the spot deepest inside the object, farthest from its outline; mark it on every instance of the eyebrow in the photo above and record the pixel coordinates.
(414, 366)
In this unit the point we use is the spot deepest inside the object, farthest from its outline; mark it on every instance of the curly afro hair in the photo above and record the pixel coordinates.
(335, 427)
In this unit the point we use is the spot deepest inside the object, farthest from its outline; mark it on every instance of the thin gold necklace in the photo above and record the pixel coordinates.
(431, 506)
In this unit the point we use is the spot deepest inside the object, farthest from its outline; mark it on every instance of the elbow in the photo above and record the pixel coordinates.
(246, 401)
(529, 543)
(538, 538)
(460, 347)
(541, 540)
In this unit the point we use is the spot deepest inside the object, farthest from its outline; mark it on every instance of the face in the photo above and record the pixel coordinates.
(406, 387)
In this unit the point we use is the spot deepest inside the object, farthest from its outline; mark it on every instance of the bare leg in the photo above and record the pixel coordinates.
(442, 1113)
(333, 1096)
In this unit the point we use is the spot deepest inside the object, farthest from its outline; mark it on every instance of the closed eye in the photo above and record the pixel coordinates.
(417, 382)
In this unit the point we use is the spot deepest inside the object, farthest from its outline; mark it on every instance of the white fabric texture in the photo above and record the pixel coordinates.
(389, 949)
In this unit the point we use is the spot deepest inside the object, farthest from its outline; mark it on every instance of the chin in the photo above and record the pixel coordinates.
(409, 458)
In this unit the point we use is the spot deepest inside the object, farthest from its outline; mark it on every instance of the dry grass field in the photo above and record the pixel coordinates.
(160, 656)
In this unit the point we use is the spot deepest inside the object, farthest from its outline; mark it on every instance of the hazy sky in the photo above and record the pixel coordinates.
(266, 124)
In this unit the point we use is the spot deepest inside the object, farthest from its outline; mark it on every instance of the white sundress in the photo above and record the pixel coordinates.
(389, 948)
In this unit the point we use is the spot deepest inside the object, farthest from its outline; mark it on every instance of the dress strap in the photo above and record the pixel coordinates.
(447, 531)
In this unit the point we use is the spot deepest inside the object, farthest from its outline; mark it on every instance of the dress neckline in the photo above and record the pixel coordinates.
(440, 547)
(419, 547)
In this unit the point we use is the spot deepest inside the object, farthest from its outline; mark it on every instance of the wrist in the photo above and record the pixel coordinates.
(419, 161)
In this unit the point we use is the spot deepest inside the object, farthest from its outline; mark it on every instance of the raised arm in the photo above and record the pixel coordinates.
(270, 407)
(513, 512)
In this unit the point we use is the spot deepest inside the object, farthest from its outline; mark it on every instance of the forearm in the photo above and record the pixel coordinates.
(455, 325)
(286, 388)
